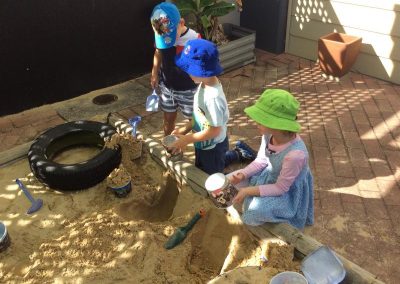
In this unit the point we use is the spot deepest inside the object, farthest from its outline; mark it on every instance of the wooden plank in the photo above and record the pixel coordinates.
(14, 154)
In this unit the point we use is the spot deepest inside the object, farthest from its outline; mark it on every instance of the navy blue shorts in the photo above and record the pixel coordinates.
(212, 161)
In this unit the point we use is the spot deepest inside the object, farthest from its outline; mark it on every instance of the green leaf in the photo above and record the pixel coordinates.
(186, 7)
(205, 3)
(219, 9)
(205, 22)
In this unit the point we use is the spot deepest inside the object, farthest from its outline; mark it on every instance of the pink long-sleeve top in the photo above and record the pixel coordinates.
(292, 164)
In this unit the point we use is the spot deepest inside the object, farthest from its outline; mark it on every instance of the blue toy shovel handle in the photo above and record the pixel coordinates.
(25, 190)
(134, 122)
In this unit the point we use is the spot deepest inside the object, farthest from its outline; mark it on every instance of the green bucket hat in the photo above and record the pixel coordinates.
(275, 109)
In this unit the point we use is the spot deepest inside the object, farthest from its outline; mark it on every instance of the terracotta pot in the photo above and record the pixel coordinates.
(337, 53)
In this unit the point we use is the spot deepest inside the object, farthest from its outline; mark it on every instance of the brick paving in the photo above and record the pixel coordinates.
(351, 128)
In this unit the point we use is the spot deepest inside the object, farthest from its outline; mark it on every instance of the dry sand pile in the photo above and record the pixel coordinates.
(91, 236)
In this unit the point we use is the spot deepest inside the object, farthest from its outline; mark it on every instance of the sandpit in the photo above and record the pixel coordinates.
(92, 236)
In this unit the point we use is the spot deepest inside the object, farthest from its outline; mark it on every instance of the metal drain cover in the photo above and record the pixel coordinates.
(105, 99)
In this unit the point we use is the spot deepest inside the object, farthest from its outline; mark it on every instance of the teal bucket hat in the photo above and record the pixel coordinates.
(275, 109)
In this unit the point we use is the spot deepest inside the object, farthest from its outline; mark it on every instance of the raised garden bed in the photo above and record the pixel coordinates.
(239, 51)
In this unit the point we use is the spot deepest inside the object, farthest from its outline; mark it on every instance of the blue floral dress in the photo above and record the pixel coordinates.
(295, 207)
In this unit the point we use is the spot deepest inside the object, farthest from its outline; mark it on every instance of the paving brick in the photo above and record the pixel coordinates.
(373, 149)
(8, 142)
(351, 195)
(393, 158)
(352, 139)
(389, 89)
(368, 185)
(322, 156)
(337, 147)
(359, 117)
(318, 138)
(127, 113)
(355, 211)
(363, 172)
(376, 209)
(366, 132)
(19, 120)
(394, 101)
(394, 213)
(370, 194)
(332, 129)
(383, 105)
(343, 167)
(381, 169)
(346, 122)
(359, 158)
(330, 203)
(389, 191)
(371, 109)
(54, 120)
(5, 124)
(139, 109)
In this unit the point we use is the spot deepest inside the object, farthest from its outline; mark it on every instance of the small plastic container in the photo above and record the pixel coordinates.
(167, 141)
(322, 266)
(288, 277)
(220, 190)
(152, 102)
(5, 240)
(122, 191)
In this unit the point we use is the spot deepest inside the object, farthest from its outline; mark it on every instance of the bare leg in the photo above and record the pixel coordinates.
(169, 122)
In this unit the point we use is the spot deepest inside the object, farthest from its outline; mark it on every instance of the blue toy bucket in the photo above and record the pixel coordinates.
(122, 191)
(4, 238)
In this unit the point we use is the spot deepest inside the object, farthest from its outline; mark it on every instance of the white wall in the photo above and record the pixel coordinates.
(377, 22)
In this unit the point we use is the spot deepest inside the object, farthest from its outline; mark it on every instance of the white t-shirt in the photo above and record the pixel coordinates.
(210, 108)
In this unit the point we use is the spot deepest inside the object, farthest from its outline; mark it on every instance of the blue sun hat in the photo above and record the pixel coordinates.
(165, 19)
(199, 58)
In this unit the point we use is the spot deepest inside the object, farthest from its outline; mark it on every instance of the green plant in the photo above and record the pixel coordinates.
(205, 15)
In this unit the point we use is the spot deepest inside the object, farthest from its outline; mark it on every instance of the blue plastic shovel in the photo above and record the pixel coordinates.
(134, 122)
(36, 204)
(152, 102)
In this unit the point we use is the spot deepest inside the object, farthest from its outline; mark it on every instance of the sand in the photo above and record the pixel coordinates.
(92, 236)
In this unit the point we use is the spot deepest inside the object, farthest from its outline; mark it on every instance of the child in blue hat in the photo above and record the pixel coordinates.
(200, 60)
(174, 86)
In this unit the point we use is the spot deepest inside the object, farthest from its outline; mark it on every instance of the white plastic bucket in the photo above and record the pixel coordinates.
(288, 277)
(220, 190)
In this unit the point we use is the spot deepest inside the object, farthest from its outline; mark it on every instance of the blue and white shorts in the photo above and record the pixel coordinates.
(172, 100)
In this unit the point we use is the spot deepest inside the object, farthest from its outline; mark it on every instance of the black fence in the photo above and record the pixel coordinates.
(52, 50)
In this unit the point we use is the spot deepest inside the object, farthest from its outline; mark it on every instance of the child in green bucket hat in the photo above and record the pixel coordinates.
(278, 185)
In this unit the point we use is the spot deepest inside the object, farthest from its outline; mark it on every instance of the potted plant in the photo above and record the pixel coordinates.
(235, 44)
(337, 52)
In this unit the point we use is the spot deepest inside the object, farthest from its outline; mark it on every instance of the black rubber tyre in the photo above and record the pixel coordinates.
(73, 176)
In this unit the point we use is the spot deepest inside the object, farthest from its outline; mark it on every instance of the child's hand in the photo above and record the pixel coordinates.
(236, 177)
(241, 195)
(179, 144)
(154, 80)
